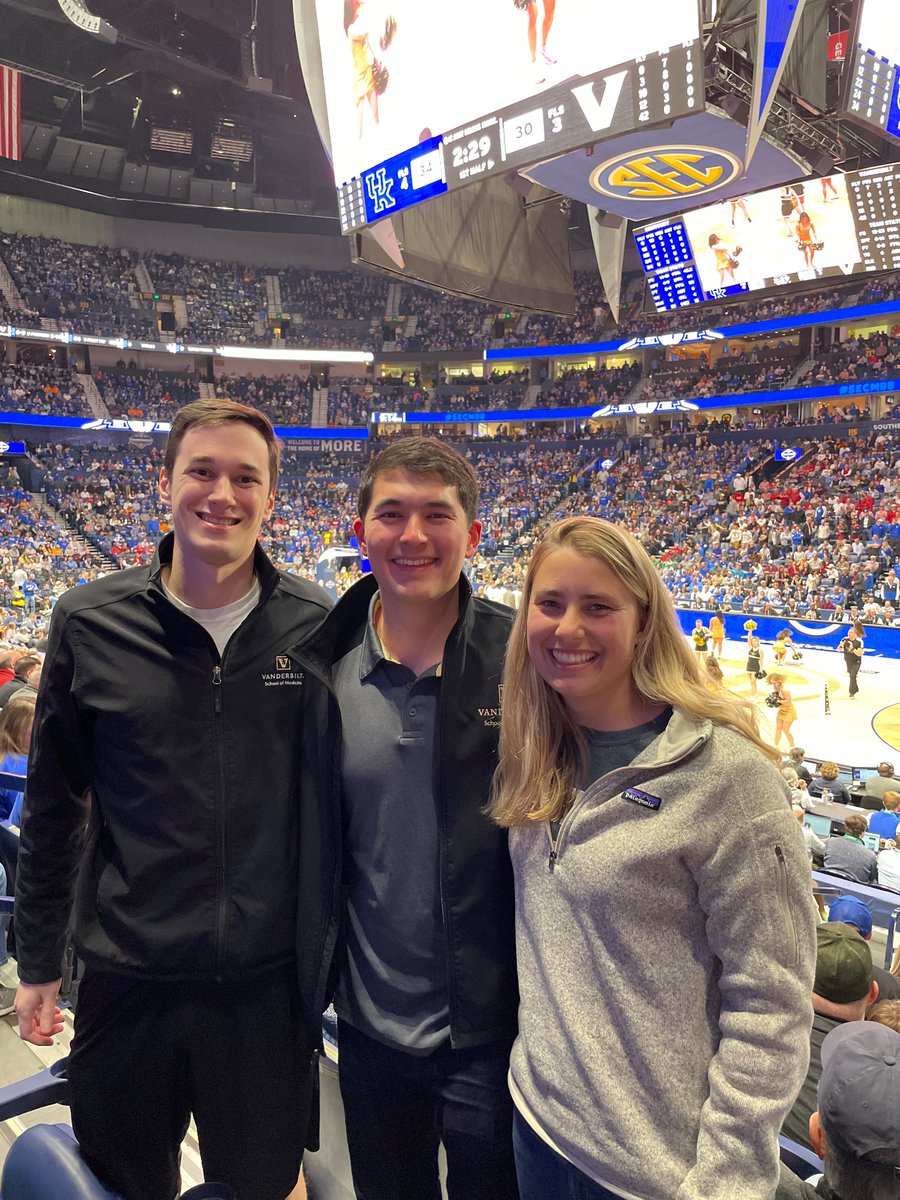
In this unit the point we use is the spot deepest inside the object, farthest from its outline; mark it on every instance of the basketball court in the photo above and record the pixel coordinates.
(858, 732)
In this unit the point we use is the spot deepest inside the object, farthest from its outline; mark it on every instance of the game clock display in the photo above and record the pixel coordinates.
(662, 86)
(489, 90)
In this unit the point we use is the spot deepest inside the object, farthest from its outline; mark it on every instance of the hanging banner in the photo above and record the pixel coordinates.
(776, 27)
(609, 234)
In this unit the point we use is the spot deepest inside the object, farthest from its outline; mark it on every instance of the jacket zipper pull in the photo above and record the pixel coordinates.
(217, 682)
(551, 861)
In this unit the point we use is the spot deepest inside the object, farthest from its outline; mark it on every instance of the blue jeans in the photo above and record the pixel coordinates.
(398, 1108)
(544, 1174)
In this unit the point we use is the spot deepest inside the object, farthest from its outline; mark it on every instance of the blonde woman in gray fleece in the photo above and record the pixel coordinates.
(664, 915)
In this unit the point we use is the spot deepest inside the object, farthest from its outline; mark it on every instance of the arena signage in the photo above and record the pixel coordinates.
(141, 427)
(774, 325)
(644, 408)
(868, 386)
(673, 339)
(666, 172)
(337, 445)
(300, 355)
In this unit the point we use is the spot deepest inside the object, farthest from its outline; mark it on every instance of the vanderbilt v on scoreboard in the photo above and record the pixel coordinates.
(423, 99)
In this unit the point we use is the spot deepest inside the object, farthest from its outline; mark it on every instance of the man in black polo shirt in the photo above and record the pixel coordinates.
(399, 737)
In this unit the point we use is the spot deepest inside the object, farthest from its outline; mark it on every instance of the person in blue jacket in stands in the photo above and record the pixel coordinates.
(16, 719)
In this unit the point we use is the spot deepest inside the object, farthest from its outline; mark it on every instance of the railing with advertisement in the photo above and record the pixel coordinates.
(808, 635)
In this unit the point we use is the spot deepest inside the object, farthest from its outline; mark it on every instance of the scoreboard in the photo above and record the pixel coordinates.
(664, 85)
(423, 99)
(875, 197)
(815, 229)
(872, 94)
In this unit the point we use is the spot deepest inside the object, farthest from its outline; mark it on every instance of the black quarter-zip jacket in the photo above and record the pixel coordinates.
(178, 764)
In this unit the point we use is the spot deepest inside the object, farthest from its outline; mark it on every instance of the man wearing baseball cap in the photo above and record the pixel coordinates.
(852, 911)
(856, 1127)
(843, 989)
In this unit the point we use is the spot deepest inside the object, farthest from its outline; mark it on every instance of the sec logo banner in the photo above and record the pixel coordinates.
(666, 172)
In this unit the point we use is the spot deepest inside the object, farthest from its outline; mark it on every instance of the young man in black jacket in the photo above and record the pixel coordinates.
(399, 738)
(164, 724)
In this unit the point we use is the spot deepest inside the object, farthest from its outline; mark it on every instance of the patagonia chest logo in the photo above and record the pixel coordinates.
(644, 799)
(284, 675)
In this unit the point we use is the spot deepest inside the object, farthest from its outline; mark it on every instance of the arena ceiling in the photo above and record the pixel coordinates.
(199, 66)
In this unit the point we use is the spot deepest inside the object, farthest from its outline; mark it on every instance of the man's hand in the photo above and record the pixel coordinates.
(39, 1017)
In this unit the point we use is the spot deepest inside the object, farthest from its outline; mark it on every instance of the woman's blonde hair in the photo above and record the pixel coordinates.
(541, 748)
(15, 720)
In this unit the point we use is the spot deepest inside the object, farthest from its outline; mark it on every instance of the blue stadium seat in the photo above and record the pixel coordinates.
(794, 1156)
(44, 1163)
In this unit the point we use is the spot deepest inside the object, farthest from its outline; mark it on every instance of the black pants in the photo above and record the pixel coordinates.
(399, 1107)
(853, 666)
(147, 1054)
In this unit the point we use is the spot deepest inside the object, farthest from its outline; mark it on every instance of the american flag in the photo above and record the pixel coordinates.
(10, 113)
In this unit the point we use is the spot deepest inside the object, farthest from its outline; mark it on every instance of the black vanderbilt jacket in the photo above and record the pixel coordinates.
(179, 761)
(475, 872)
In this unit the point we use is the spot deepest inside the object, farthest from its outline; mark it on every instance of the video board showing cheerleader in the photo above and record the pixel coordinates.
(780, 236)
(399, 72)
(837, 225)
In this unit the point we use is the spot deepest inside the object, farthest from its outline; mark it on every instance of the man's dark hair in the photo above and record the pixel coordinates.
(855, 825)
(873, 1177)
(422, 456)
(25, 664)
(217, 411)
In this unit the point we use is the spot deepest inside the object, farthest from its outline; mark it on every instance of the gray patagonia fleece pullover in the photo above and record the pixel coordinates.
(666, 959)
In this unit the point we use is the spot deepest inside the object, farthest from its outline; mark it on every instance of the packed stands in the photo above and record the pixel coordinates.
(95, 289)
(41, 388)
(146, 395)
(285, 399)
(85, 288)
(856, 358)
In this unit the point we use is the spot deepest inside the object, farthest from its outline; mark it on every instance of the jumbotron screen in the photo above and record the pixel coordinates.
(818, 228)
(873, 77)
(436, 95)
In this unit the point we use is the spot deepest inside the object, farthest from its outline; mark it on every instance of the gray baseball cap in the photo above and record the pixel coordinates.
(859, 1090)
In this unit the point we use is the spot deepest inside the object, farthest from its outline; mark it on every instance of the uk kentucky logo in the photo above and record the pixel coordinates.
(381, 190)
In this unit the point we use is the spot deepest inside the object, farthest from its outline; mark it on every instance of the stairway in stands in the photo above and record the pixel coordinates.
(273, 296)
(319, 416)
(142, 275)
(94, 399)
(99, 557)
(180, 309)
(8, 290)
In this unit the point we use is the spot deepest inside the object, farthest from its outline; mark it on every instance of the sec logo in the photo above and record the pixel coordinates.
(665, 172)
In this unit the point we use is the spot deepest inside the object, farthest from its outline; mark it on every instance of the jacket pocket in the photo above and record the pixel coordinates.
(784, 900)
